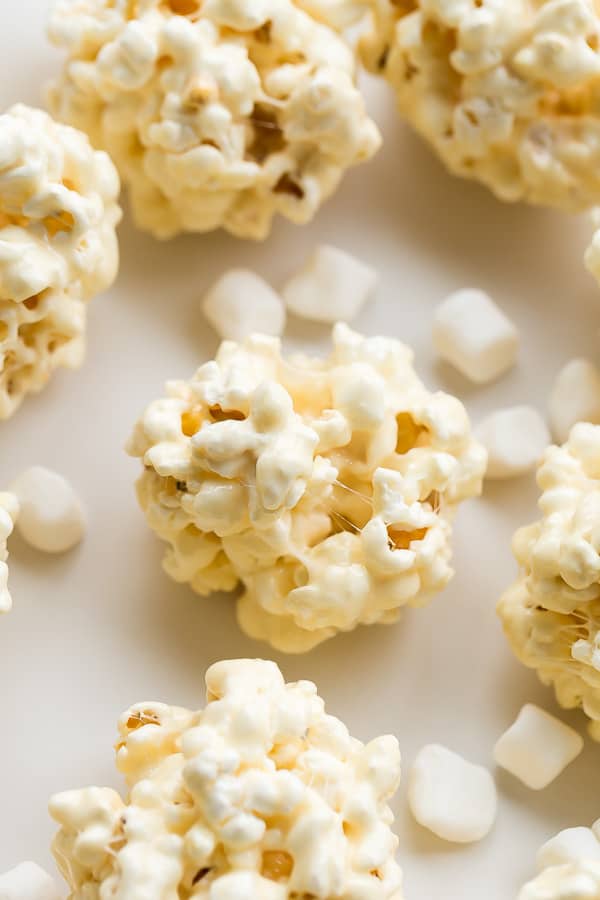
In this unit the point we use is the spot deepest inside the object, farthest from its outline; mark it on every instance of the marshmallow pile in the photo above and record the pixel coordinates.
(551, 615)
(327, 486)
(259, 795)
(216, 113)
(58, 247)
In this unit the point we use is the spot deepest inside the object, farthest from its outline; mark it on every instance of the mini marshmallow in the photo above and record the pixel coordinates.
(575, 397)
(51, 518)
(453, 798)
(515, 439)
(240, 303)
(28, 881)
(333, 286)
(473, 334)
(573, 845)
(537, 747)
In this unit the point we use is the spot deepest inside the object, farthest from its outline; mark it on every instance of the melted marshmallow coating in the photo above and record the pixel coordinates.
(58, 247)
(260, 795)
(220, 113)
(551, 615)
(326, 486)
(506, 91)
(576, 877)
(9, 510)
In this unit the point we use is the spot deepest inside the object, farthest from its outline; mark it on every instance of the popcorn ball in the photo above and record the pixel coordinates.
(216, 113)
(506, 91)
(58, 247)
(326, 486)
(569, 867)
(551, 615)
(260, 795)
(9, 511)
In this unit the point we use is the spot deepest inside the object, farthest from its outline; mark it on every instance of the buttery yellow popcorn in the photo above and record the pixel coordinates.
(259, 796)
(551, 615)
(506, 91)
(216, 113)
(58, 247)
(326, 486)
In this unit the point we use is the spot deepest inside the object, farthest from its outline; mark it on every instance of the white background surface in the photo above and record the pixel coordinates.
(103, 627)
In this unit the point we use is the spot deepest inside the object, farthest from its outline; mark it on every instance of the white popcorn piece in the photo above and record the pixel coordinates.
(537, 747)
(28, 881)
(453, 798)
(241, 303)
(551, 615)
(9, 512)
(217, 114)
(573, 845)
(259, 796)
(473, 334)
(515, 439)
(575, 397)
(51, 516)
(569, 867)
(326, 487)
(491, 86)
(333, 286)
(58, 247)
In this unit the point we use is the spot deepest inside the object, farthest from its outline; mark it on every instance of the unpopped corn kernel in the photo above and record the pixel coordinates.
(217, 114)
(327, 487)
(58, 247)
(260, 795)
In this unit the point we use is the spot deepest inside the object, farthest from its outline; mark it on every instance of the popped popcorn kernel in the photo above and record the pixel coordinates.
(58, 247)
(326, 487)
(216, 114)
(9, 511)
(568, 866)
(259, 795)
(551, 615)
(505, 91)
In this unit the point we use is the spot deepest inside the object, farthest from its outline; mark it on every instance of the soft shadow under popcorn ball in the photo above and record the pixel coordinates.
(551, 615)
(58, 247)
(326, 486)
(216, 113)
(260, 795)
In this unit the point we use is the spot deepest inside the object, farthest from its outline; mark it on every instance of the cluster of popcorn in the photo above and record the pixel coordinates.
(9, 510)
(58, 247)
(260, 795)
(569, 867)
(551, 615)
(216, 113)
(506, 92)
(327, 486)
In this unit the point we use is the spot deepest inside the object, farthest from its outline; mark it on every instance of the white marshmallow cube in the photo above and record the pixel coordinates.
(332, 286)
(453, 798)
(575, 397)
(537, 747)
(573, 845)
(51, 516)
(241, 303)
(28, 881)
(515, 439)
(473, 334)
